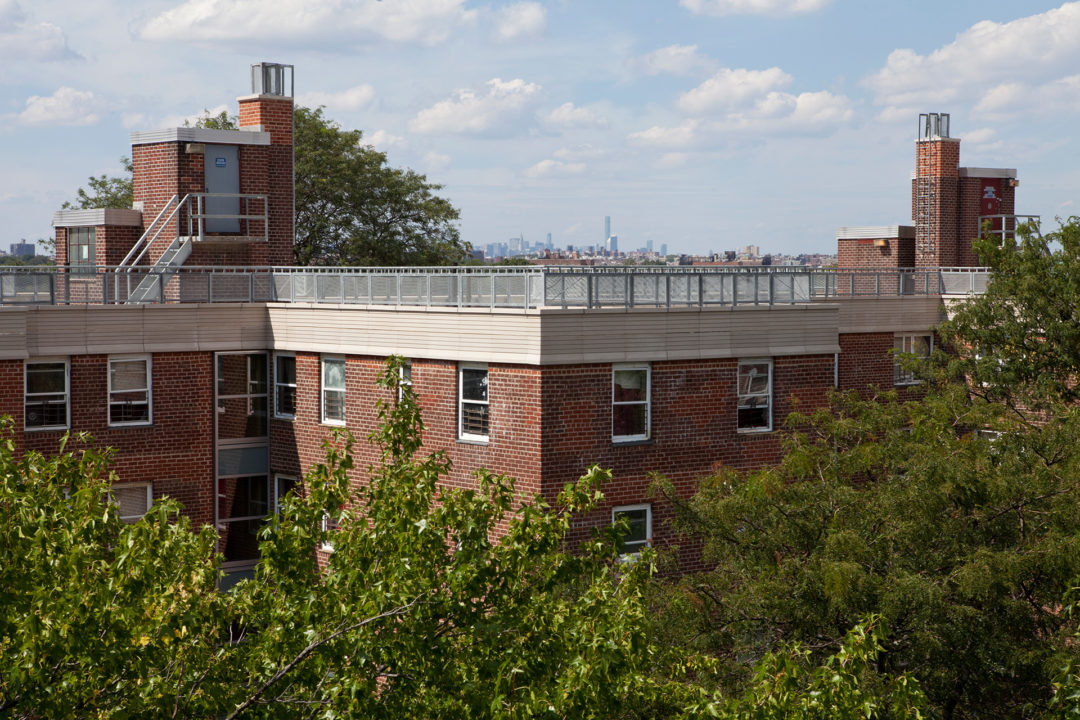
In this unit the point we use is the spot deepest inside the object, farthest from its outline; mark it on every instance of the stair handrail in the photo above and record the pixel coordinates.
(142, 241)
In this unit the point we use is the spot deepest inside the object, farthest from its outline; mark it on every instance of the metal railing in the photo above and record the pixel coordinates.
(481, 287)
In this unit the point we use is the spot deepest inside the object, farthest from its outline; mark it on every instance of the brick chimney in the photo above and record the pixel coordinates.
(269, 109)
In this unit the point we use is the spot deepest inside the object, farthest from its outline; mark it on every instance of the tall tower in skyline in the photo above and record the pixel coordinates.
(607, 228)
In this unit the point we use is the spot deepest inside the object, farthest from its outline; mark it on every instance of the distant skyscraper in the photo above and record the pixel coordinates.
(613, 243)
(648, 245)
(663, 249)
(607, 227)
(549, 246)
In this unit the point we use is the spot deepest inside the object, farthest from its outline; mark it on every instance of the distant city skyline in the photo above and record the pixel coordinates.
(695, 123)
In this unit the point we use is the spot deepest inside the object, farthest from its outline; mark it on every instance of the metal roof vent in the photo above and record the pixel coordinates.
(271, 79)
(933, 126)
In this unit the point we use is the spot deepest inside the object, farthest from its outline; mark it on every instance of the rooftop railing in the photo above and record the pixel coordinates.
(481, 286)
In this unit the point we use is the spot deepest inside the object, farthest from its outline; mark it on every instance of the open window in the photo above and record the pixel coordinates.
(754, 413)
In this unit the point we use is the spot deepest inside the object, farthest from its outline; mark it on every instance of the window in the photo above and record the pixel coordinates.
(283, 485)
(755, 396)
(630, 394)
(130, 390)
(917, 345)
(46, 399)
(639, 527)
(405, 380)
(243, 504)
(333, 391)
(133, 499)
(285, 386)
(473, 402)
(81, 252)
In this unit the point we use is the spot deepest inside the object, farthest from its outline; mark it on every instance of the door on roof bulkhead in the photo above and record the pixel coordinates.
(222, 173)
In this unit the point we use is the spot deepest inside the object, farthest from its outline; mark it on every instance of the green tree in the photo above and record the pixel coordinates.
(352, 208)
(417, 611)
(97, 615)
(104, 191)
(955, 518)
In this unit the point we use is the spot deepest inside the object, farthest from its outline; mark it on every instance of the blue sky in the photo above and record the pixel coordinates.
(703, 124)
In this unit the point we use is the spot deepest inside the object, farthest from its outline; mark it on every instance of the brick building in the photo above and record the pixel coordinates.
(176, 333)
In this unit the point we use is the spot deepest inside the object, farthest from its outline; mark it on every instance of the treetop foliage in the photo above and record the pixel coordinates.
(954, 518)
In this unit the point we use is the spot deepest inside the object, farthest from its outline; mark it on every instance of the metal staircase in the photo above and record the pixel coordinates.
(133, 283)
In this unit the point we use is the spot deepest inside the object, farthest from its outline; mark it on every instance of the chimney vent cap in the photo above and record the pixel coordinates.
(272, 79)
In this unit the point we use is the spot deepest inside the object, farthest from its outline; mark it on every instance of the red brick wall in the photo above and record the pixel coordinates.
(938, 160)
(159, 171)
(175, 453)
(862, 253)
(693, 431)
(514, 411)
(275, 116)
(865, 362)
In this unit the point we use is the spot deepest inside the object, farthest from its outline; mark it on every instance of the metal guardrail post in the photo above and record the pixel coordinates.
(251, 287)
(772, 288)
(629, 285)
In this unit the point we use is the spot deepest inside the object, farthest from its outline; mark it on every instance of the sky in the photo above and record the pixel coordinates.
(702, 124)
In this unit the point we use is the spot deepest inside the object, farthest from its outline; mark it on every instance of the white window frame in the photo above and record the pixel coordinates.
(323, 390)
(149, 390)
(906, 341)
(647, 507)
(768, 395)
(278, 384)
(325, 526)
(278, 477)
(404, 378)
(67, 392)
(647, 367)
(462, 435)
(131, 486)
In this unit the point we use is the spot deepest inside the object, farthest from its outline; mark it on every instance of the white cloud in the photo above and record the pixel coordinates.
(580, 152)
(991, 63)
(730, 88)
(674, 60)
(146, 122)
(310, 23)
(753, 7)
(382, 140)
(66, 106)
(23, 39)
(672, 159)
(436, 161)
(683, 135)
(523, 19)
(771, 114)
(353, 98)
(547, 168)
(1010, 100)
(472, 112)
(569, 116)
